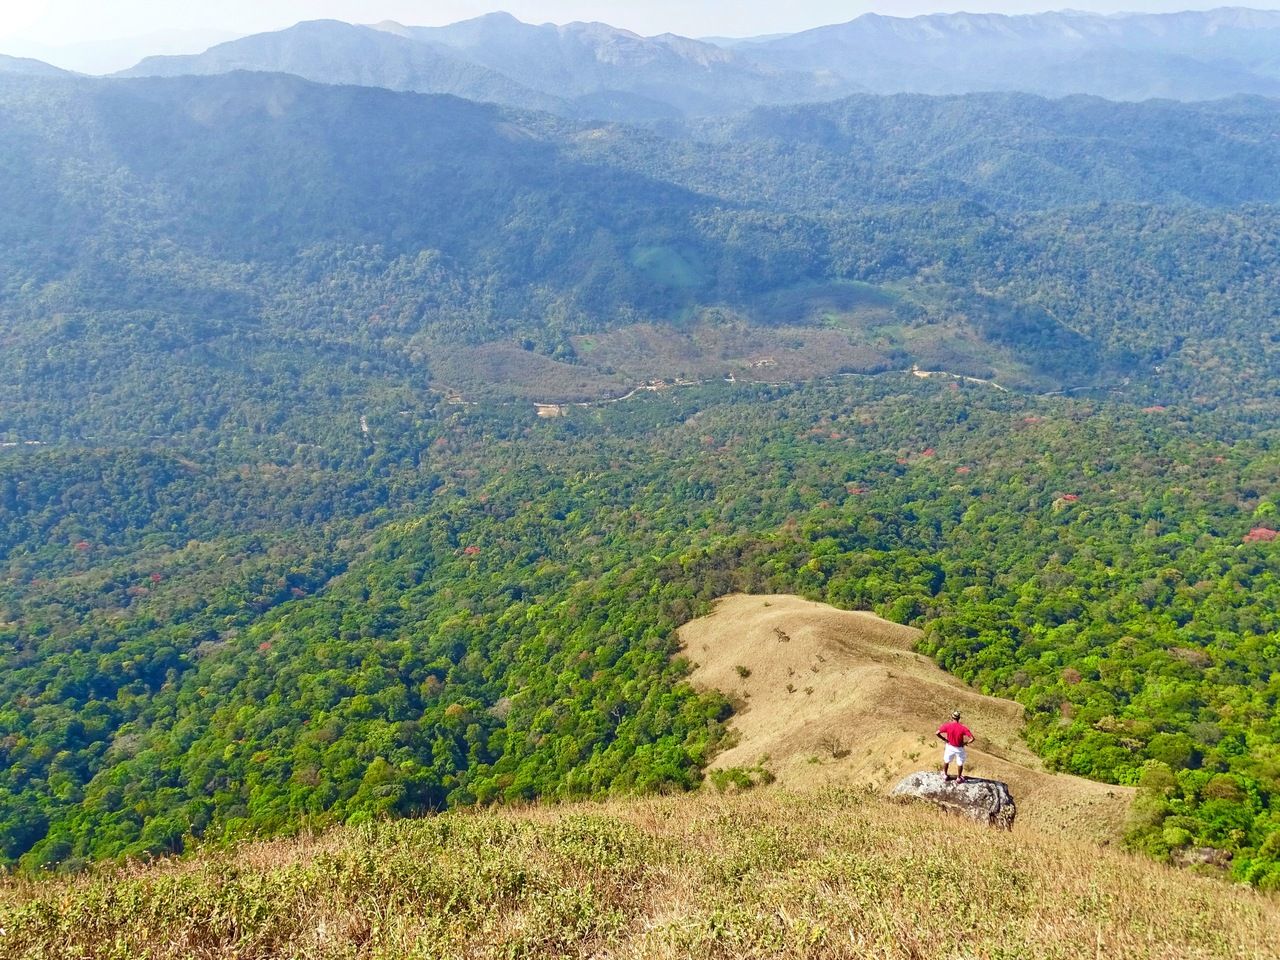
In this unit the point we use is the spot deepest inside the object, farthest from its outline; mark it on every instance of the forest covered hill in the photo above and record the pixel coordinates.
(478, 604)
(285, 543)
(209, 230)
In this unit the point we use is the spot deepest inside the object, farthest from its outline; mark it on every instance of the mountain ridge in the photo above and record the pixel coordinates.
(26, 66)
(594, 70)
(1194, 55)
(334, 52)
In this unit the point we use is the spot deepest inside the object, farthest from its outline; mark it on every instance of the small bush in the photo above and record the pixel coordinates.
(836, 747)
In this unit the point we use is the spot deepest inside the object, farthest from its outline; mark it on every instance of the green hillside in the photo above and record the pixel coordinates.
(174, 246)
(474, 604)
(284, 542)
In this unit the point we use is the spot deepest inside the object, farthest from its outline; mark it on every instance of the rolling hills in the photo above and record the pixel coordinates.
(1009, 152)
(284, 542)
(475, 604)
(508, 255)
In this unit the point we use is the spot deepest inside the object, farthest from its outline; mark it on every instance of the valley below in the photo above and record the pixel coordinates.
(531, 490)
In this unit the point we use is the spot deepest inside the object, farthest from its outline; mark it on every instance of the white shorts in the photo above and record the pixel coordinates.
(950, 753)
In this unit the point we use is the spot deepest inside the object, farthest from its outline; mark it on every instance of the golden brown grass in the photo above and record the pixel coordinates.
(830, 870)
(832, 697)
(770, 873)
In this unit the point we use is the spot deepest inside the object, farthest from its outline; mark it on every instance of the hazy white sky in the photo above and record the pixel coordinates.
(60, 22)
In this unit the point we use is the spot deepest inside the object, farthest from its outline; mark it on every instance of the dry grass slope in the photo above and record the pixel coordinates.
(822, 872)
(835, 697)
(828, 873)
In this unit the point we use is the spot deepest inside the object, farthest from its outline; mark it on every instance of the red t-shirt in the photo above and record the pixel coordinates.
(955, 732)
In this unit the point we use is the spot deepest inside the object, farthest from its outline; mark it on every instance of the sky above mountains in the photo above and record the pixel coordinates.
(94, 36)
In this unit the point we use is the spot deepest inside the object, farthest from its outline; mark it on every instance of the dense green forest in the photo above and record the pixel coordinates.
(214, 253)
(259, 572)
(481, 605)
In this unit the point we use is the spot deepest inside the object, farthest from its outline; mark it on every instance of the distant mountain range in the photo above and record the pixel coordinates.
(597, 65)
(582, 69)
(597, 71)
(329, 51)
(1195, 55)
(24, 66)
(101, 55)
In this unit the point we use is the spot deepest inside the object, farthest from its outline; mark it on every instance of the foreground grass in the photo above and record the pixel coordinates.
(768, 874)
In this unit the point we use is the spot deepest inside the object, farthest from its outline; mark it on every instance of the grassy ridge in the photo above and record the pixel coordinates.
(840, 874)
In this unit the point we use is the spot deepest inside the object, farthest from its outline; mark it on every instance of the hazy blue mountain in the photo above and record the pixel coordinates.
(1187, 56)
(329, 51)
(581, 69)
(593, 70)
(1005, 150)
(731, 42)
(102, 55)
(27, 67)
(594, 62)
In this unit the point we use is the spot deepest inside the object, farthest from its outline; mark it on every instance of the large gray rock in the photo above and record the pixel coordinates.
(984, 801)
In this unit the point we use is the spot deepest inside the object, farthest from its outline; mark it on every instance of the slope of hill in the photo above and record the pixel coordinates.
(1009, 151)
(466, 228)
(329, 51)
(1187, 56)
(254, 627)
(833, 874)
(832, 697)
(24, 66)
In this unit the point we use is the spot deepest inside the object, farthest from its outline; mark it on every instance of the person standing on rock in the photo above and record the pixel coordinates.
(956, 736)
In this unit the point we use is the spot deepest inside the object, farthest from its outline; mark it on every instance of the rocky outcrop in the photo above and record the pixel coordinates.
(1202, 857)
(984, 801)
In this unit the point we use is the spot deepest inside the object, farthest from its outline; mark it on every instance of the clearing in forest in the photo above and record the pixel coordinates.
(831, 697)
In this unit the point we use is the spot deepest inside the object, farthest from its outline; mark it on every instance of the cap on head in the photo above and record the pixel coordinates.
(955, 714)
